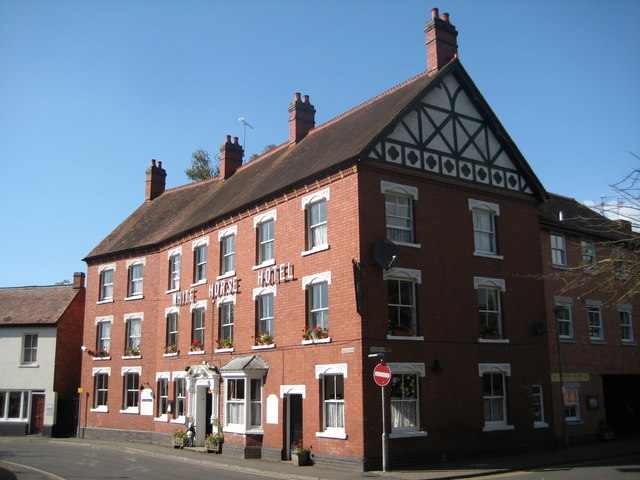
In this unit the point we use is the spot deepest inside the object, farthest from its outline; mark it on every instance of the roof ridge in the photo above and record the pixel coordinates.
(191, 184)
(557, 195)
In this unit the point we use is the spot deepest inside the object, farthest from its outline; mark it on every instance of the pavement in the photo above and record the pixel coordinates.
(468, 468)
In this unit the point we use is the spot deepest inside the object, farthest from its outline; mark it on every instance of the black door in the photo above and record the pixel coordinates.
(622, 402)
(295, 419)
(209, 401)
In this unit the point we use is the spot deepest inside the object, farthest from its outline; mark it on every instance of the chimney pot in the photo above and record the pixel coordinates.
(302, 118)
(441, 41)
(235, 140)
(230, 157)
(296, 97)
(228, 139)
(156, 177)
(434, 13)
(445, 17)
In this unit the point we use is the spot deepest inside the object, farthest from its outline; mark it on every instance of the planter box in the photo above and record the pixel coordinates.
(299, 459)
(179, 442)
(214, 447)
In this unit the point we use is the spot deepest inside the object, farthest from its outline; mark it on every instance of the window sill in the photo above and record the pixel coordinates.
(108, 300)
(232, 273)
(98, 359)
(628, 343)
(131, 411)
(559, 267)
(488, 255)
(568, 340)
(99, 410)
(407, 337)
(493, 340)
(494, 428)
(224, 350)
(29, 365)
(133, 297)
(173, 290)
(416, 433)
(597, 341)
(161, 418)
(131, 357)
(337, 434)
(267, 263)
(179, 420)
(540, 425)
(311, 341)
(263, 347)
(319, 248)
(199, 282)
(405, 244)
(196, 352)
(165, 355)
(242, 430)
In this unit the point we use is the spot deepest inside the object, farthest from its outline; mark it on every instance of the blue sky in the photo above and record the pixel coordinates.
(90, 91)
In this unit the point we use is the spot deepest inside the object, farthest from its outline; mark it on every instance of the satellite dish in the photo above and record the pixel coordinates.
(385, 253)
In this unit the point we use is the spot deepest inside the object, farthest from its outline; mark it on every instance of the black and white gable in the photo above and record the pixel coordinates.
(451, 132)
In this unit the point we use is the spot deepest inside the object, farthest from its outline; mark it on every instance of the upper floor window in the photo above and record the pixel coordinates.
(135, 269)
(226, 324)
(175, 257)
(490, 306)
(200, 260)
(227, 239)
(29, 349)
(172, 331)
(401, 301)
(197, 326)
(103, 336)
(399, 211)
(264, 314)
(133, 334)
(317, 288)
(564, 322)
(484, 227)
(265, 232)
(588, 252)
(594, 315)
(626, 325)
(315, 207)
(106, 283)
(558, 250)
(494, 395)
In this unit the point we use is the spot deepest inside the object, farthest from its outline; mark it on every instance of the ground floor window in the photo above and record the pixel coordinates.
(537, 402)
(243, 404)
(14, 405)
(571, 398)
(333, 400)
(131, 390)
(100, 390)
(404, 401)
(494, 395)
(163, 396)
(180, 393)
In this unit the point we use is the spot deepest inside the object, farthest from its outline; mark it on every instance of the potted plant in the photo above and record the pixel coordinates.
(299, 456)
(179, 439)
(306, 333)
(173, 348)
(263, 338)
(224, 342)
(487, 331)
(319, 332)
(102, 352)
(132, 351)
(196, 346)
(213, 442)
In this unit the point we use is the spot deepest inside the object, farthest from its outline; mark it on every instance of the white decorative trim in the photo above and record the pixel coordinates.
(160, 375)
(172, 309)
(178, 374)
(563, 300)
(173, 252)
(260, 291)
(489, 282)
(408, 434)
(405, 367)
(293, 390)
(331, 369)
(492, 428)
(126, 370)
(389, 187)
(136, 261)
(624, 307)
(324, 277)
(316, 249)
(105, 319)
(227, 299)
(129, 316)
(402, 274)
(494, 208)
(232, 230)
(263, 347)
(338, 433)
(593, 303)
(199, 242)
(265, 217)
(314, 197)
(109, 266)
(494, 368)
(198, 304)
(405, 337)
(96, 370)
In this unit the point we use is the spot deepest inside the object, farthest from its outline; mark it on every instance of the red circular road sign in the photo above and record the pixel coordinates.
(382, 374)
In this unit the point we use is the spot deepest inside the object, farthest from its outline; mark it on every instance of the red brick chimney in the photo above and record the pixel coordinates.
(302, 118)
(230, 157)
(442, 46)
(78, 280)
(156, 176)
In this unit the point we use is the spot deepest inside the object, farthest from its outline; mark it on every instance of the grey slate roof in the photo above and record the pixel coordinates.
(34, 305)
(251, 362)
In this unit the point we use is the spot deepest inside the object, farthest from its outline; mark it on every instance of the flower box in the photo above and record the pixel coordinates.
(300, 459)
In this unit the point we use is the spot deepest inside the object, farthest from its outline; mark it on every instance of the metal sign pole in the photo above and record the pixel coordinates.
(385, 438)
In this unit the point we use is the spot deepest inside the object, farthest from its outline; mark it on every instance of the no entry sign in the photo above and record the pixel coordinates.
(382, 374)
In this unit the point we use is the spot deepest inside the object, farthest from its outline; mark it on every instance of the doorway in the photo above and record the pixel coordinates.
(294, 421)
(37, 414)
(622, 402)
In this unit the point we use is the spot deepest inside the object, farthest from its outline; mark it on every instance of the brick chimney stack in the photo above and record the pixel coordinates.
(442, 46)
(230, 157)
(156, 176)
(302, 118)
(78, 280)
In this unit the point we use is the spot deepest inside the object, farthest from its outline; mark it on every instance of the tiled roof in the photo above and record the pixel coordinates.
(328, 146)
(34, 305)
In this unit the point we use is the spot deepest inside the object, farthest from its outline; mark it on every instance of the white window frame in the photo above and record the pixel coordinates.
(174, 258)
(199, 305)
(308, 202)
(245, 426)
(125, 407)
(566, 393)
(594, 319)
(23, 407)
(408, 275)
(95, 372)
(200, 260)
(258, 295)
(625, 317)
(417, 369)
(537, 403)
(308, 284)
(566, 304)
(403, 191)
(135, 284)
(498, 286)
(30, 348)
(259, 223)
(226, 238)
(179, 377)
(129, 338)
(503, 369)
(169, 332)
(588, 248)
(101, 339)
(226, 312)
(162, 399)
(483, 235)
(103, 296)
(322, 371)
(558, 249)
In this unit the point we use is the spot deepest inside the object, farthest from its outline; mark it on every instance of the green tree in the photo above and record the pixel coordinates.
(266, 149)
(202, 167)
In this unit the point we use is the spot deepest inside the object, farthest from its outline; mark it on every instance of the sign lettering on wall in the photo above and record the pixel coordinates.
(276, 274)
(223, 287)
(184, 297)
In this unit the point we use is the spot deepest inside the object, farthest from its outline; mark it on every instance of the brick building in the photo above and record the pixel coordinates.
(409, 224)
(40, 338)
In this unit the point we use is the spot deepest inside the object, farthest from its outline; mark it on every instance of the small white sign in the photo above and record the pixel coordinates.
(272, 409)
(146, 402)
